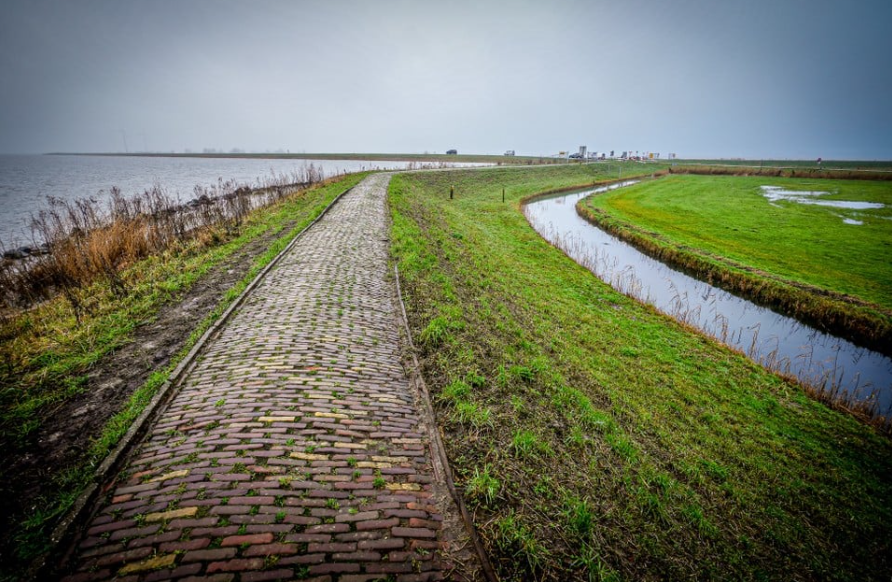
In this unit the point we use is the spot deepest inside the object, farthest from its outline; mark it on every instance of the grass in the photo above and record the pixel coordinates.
(618, 444)
(46, 351)
(801, 258)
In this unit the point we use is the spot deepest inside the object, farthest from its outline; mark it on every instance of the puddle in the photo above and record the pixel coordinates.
(779, 343)
(776, 193)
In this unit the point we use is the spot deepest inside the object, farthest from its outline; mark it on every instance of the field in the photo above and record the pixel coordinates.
(802, 258)
(825, 164)
(594, 438)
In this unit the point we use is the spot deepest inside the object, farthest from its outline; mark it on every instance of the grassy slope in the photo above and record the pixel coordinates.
(45, 352)
(596, 438)
(728, 216)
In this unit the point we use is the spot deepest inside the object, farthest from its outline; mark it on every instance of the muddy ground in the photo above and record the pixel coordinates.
(66, 432)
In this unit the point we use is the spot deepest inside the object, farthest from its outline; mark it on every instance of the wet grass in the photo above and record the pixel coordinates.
(609, 441)
(800, 258)
(46, 354)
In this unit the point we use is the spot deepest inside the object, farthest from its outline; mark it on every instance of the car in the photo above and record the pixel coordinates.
(576, 156)
(451, 152)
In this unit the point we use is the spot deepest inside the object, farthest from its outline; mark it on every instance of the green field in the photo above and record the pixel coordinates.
(594, 438)
(825, 164)
(727, 222)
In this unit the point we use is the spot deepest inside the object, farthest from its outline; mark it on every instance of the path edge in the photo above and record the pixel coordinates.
(50, 562)
(437, 447)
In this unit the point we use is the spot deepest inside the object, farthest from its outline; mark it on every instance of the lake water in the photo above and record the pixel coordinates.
(778, 342)
(26, 181)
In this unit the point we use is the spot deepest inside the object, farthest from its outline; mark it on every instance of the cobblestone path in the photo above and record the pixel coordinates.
(293, 449)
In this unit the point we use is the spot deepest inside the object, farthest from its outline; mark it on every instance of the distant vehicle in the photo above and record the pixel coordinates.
(576, 156)
(509, 153)
(451, 152)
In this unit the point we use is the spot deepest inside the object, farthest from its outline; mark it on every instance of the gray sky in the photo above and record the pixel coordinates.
(749, 78)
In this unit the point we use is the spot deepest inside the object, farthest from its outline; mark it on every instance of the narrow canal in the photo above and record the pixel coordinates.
(780, 343)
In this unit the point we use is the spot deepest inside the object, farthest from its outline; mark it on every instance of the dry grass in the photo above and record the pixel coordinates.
(78, 242)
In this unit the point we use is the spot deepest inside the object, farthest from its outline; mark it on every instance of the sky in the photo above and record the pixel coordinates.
(758, 79)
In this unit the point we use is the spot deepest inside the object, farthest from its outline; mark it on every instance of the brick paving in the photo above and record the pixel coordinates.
(293, 449)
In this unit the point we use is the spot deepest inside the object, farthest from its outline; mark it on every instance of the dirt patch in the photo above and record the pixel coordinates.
(67, 431)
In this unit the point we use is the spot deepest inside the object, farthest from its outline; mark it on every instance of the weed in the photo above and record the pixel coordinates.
(455, 392)
(580, 517)
(525, 443)
(483, 487)
(473, 414)
(517, 539)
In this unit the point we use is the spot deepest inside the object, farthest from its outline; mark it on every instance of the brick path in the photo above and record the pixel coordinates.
(293, 449)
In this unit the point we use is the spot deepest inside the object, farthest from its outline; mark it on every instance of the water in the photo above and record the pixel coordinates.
(26, 181)
(776, 341)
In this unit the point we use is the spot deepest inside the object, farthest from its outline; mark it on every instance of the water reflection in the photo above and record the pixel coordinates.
(778, 342)
(775, 193)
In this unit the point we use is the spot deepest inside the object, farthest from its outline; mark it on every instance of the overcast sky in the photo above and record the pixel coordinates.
(735, 78)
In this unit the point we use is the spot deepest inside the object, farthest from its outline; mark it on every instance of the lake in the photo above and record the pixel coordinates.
(27, 181)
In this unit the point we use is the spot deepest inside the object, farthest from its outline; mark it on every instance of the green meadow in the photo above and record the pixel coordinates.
(596, 439)
(810, 260)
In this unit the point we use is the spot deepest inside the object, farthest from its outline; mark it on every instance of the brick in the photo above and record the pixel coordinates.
(426, 523)
(382, 544)
(173, 514)
(270, 550)
(267, 575)
(247, 539)
(153, 563)
(413, 532)
(356, 557)
(197, 544)
(180, 571)
(331, 547)
(361, 516)
(333, 568)
(237, 565)
(208, 555)
(123, 557)
(167, 476)
(378, 524)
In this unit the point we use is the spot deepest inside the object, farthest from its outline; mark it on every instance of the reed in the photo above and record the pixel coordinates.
(83, 240)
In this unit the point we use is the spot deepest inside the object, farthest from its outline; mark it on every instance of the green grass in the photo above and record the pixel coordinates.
(801, 257)
(47, 353)
(618, 444)
(728, 216)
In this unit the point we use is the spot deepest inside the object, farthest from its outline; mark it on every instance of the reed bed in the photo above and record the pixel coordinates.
(77, 242)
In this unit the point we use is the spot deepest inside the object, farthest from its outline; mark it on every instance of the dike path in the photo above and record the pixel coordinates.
(295, 448)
